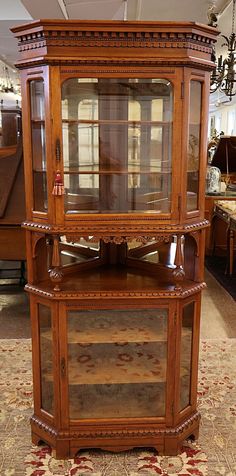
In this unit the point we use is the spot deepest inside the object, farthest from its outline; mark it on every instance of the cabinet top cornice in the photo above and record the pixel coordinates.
(50, 40)
(111, 25)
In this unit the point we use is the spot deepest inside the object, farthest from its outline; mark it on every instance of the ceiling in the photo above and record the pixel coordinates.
(15, 12)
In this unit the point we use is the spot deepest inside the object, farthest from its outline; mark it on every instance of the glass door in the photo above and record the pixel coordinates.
(117, 363)
(117, 145)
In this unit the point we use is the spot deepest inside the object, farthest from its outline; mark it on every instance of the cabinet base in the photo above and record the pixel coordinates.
(166, 441)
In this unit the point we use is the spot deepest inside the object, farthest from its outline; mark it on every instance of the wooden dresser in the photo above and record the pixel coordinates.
(12, 208)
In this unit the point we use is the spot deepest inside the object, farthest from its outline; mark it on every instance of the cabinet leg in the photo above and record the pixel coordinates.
(36, 440)
(172, 446)
(194, 435)
(62, 450)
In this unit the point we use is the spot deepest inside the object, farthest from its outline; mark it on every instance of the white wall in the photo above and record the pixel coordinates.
(223, 115)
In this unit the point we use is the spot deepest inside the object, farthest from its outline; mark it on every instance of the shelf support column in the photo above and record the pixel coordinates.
(178, 272)
(56, 274)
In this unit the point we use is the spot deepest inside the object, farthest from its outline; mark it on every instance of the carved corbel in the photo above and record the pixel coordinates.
(36, 237)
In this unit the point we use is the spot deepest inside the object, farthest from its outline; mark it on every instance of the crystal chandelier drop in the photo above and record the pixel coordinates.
(223, 77)
(6, 84)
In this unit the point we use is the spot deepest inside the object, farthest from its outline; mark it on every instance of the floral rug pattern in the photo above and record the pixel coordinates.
(213, 455)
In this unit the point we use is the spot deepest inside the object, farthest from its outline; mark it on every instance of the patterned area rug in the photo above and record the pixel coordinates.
(213, 455)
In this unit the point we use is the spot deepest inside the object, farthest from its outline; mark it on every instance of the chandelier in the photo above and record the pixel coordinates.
(6, 84)
(223, 77)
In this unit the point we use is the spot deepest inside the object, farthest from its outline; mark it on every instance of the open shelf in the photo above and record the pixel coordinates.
(117, 279)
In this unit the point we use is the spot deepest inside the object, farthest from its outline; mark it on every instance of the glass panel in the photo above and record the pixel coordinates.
(45, 335)
(117, 145)
(186, 354)
(194, 145)
(38, 144)
(117, 363)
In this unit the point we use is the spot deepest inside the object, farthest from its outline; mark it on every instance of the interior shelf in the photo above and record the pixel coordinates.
(117, 121)
(79, 171)
(118, 363)
(94, 337)
(114, 364)
(115, 326)
(119, 401)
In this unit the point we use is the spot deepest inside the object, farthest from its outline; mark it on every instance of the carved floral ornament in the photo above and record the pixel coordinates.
(119, 239)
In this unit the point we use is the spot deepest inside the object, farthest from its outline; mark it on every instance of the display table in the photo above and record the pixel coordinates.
(220, 227)
(225, 211)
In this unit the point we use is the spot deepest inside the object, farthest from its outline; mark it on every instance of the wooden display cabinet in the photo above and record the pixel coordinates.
(115, 122)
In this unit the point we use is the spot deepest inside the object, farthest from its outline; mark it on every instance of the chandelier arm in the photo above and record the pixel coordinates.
(223, 75)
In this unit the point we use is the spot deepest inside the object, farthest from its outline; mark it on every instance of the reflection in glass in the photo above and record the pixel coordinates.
(154, 251)
(45, 336)
(186, 354)
(80, 251)
(117, 136)
(194, 145)
(38, 144)
(117, 363)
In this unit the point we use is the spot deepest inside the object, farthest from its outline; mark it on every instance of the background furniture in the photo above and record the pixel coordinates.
(220, 227)
(225, 159)
(225, 211)
(115, 124)
(12, 213)
(11, 126)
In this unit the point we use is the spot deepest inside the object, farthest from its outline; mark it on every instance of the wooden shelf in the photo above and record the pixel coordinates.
(85, 327)
(38, 121)
(116, 122)
(116, 279)
(121, 363)
(127, 401)
(115, 333)
(117, 172)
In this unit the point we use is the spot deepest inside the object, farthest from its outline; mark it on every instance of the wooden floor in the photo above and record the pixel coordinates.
(218, 312)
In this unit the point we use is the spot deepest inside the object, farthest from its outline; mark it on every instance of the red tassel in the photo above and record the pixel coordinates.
(58, 188)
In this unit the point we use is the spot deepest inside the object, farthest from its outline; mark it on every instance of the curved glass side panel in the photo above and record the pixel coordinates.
(194, 135)
(117, 145)
(186, 354)
(46, 358)
(37, 110)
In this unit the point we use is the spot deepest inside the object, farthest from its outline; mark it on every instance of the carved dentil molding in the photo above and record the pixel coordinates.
(79, 295)
(115, 39)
